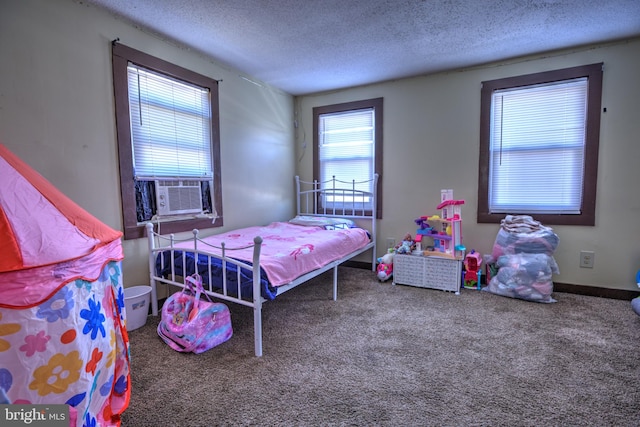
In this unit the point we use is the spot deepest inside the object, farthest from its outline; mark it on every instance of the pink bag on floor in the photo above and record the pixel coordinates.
(189, 324)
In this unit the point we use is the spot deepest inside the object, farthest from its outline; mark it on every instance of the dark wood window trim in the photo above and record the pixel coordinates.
(376, 104)
(594, 74)
(121, 56)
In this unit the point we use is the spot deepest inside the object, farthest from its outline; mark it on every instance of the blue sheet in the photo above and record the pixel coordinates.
(246, 276)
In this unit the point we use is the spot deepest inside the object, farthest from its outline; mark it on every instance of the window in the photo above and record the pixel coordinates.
(167, 128)
(539, 138)
(347, 145)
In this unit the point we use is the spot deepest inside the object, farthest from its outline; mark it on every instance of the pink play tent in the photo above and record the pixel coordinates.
(62, 334)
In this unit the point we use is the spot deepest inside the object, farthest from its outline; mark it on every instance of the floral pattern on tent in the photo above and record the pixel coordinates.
(73, 351)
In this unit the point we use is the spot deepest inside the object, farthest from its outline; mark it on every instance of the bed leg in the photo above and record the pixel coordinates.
(152, 269)
(374, 260)
(257, 327)
(335, 283)
(257, 297)
(154, 298)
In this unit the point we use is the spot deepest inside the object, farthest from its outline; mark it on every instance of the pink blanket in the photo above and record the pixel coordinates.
(288, 250)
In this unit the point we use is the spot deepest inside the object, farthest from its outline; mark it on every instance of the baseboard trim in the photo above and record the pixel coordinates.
(595, 291)
(358, 264)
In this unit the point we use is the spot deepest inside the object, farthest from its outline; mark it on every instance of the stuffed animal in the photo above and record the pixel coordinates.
(385, 267)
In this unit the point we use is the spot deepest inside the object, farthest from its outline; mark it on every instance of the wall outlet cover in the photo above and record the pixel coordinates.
(587, 259)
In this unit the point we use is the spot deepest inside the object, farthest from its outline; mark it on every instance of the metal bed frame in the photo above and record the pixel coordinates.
(312, 198)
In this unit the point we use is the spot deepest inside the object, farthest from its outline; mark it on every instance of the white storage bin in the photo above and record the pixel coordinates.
(136, 303)
(428, 272)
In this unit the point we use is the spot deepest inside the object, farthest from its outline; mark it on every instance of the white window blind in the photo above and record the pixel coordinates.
(346, 148)
(170, 126)
(537, 148)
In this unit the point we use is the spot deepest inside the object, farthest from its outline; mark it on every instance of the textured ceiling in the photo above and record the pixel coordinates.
(307, 46)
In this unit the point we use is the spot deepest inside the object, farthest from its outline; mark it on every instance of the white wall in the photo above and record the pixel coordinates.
(57, 114)
(431, 142)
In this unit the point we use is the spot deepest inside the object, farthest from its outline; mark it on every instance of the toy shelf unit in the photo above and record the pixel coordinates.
(437, 261)
(442, 234)
(430, 272)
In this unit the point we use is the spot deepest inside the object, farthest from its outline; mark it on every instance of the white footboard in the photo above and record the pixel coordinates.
(159, 244)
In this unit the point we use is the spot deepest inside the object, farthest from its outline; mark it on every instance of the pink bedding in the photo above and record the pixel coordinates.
(288, 250)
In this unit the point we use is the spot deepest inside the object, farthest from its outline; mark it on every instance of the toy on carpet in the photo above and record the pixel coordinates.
(385, 266)
(472, 270)
(635, 303)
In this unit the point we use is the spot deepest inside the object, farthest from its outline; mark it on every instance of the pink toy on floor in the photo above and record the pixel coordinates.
(384, 270)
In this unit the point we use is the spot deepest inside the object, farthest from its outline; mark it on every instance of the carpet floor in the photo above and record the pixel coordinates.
(384, 355)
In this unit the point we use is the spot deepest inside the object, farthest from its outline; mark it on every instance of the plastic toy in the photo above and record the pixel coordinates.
(473, 270)
(385, 267)
(635, 303)
(444, 231)
(418, 241)
(421, 222)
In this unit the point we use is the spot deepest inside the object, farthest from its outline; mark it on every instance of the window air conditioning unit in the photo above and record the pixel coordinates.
(177, 197)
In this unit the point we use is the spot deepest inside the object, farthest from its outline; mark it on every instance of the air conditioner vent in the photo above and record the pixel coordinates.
(177, 197)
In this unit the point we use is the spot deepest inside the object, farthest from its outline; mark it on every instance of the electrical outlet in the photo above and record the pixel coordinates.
(586, 259)
(391, 242)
